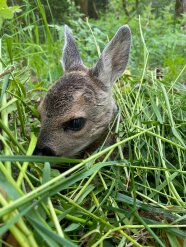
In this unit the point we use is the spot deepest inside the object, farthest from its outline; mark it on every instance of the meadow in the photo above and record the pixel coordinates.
(137, 199)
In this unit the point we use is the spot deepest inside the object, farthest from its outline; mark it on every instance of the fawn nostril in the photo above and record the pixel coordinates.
(44, 151)
(37, 151)
(48, 151)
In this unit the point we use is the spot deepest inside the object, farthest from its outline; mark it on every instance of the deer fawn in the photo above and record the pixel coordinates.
(78, 108)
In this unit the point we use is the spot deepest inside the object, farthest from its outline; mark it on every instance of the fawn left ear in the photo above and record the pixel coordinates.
(71, 59)
(114, 57)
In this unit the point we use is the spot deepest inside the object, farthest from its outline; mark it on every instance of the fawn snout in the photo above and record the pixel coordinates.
(46, 151)
(78, 108)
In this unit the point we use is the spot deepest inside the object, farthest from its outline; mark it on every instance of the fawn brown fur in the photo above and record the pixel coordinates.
(78, 108)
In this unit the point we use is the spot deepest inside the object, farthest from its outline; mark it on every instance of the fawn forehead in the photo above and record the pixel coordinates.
(71, 87)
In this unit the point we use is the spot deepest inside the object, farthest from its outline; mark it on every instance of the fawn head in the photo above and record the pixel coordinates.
(78, 108)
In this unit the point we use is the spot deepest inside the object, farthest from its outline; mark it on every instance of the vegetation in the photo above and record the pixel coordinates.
(137, 199)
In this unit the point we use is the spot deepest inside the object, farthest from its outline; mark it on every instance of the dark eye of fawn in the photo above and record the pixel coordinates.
(74, 124)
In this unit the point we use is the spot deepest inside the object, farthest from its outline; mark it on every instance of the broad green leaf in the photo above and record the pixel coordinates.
(72, 227)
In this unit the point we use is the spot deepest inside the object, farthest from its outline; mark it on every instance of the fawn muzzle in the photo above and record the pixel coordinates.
(46, 151)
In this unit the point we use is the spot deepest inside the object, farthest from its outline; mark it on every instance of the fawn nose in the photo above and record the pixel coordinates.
(44, 151)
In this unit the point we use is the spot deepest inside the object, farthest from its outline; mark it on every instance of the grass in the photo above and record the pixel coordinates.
(137, 199)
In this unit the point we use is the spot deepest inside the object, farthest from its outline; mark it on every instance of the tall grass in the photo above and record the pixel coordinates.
(137, 199)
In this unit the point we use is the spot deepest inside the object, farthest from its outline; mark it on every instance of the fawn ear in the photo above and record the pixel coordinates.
(71, 59)
(114, 57)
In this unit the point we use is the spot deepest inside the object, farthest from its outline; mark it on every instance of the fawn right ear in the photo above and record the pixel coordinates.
(71, 59)
(114, 57)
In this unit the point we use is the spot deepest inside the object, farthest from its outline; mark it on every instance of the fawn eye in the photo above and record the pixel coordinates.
(74, 124)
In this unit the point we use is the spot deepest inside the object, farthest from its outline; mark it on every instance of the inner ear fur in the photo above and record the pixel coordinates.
(71, 59)
(114, 57)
